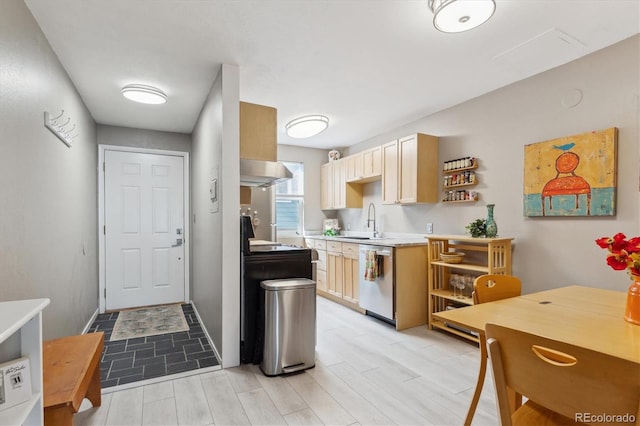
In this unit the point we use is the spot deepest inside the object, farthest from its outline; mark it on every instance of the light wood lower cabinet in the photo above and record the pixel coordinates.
(337, 271)
(321, 264)
(338, 278)
(334, 272)
(321, 271)
(411, 277)
(351, 273)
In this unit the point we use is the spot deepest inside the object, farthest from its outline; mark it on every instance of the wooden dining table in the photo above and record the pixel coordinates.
(584, 316)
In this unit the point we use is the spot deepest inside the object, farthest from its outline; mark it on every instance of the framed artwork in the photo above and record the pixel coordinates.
(572, 176)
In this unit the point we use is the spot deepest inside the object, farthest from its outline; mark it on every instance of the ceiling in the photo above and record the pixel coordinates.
(370, 66)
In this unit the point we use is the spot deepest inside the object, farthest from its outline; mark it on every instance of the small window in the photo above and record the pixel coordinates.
(290, 202)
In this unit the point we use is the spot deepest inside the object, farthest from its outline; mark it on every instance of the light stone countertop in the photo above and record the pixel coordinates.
(391, 241)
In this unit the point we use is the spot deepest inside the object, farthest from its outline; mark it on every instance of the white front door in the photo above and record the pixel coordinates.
(144, 229)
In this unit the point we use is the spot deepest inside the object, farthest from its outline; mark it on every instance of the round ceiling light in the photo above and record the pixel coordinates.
(307, 126)
(144, 94)
(456, 16)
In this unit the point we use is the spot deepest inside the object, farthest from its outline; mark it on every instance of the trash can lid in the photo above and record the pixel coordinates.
(288, 284)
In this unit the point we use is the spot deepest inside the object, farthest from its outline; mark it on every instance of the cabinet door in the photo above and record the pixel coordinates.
(326, 186)
(321, 281)
(339, 183)
(321, 268)
(334, 273)
(408, 170)
(322, 260)
(390, 173)
(372, 162)
(258, 132)
(351, 283)
(353, 167)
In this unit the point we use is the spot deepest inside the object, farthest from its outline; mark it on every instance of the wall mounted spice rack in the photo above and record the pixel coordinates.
(460, 173)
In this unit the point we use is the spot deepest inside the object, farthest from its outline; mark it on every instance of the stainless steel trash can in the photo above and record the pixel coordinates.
(289, 326)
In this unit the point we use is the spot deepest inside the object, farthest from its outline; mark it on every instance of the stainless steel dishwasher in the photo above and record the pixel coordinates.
(377, 290)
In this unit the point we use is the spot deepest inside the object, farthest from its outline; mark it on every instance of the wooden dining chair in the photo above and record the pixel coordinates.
(490, 287)
(564, 384)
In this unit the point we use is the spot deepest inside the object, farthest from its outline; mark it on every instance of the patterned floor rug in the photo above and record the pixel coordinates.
(149, 321)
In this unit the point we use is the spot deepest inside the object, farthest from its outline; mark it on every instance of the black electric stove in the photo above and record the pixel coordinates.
(260, 263)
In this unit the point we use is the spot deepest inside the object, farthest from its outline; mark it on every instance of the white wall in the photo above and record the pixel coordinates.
(48, 217)
(215, 241)
(553, 251)
(141, 138)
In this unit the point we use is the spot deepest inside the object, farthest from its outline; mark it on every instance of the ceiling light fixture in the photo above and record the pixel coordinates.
(307, 126)
(144, 94)
(456, 16)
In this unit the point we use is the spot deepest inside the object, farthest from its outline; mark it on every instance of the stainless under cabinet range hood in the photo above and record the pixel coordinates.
(262, 173)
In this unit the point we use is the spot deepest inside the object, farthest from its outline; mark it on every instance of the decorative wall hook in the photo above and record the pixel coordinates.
(62, 130)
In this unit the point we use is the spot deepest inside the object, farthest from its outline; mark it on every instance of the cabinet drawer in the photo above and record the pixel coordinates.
(350, 250)
(322, 260)
(320, 244)
(334, 246)
(321, 281)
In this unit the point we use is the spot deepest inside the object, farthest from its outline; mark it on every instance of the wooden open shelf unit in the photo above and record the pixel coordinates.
(488, 256)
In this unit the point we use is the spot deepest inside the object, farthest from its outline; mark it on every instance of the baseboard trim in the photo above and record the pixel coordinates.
(91, 320)
(206, 333)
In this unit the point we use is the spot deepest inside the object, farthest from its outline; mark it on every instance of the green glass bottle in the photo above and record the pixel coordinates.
(491, 226)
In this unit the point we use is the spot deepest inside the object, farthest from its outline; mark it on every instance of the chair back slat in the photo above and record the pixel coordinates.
(491, 287)
(564, 378)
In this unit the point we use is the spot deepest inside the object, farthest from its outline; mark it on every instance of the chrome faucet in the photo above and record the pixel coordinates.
(369, 220)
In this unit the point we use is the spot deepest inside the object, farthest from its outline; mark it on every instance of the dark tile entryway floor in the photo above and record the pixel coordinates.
(132, 360)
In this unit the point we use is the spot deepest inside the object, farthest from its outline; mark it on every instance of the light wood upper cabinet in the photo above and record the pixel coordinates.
(390, 173)
(326, 186)
(364, 166)
(335, 192)
(372, 162)
(339, 181)
(410, 170)
(258, 132)
(245, 195)
(354, 167)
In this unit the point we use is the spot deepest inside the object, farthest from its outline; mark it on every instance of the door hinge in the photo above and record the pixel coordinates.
(105, 292)
(103, 167)
(104, 230)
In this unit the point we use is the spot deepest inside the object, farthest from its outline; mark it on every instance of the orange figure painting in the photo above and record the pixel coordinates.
(580, 181)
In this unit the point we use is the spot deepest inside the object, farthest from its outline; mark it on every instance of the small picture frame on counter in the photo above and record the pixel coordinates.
(15, 382)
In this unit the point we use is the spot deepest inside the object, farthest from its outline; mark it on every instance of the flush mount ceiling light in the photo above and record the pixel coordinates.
(144, 94)
(456, 16)
(307, 126)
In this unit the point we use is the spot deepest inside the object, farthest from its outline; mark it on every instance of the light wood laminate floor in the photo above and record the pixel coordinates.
(366, 373)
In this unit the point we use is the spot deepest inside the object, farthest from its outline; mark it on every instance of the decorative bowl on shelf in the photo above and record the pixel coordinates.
(452, 257)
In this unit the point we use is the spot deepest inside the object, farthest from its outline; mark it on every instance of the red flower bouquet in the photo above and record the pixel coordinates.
(623, 253)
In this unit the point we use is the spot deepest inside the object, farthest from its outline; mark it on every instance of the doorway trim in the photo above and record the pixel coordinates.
(102, 284)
